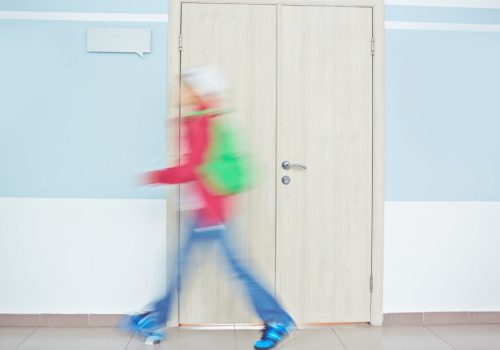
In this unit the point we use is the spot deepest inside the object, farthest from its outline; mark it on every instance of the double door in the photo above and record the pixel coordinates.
(300, 80)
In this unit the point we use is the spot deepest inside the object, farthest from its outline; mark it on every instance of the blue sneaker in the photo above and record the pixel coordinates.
(154, 337)
(273, 335)
(130, 323)
(146, 325)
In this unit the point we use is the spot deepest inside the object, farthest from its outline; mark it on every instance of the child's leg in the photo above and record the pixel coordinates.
(264, 304)
(163, 306)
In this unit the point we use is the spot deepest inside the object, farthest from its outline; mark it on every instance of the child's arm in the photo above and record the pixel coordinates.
(185, 172)
(174, 175)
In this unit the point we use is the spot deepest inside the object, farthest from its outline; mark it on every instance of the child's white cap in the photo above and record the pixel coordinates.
(205, 80)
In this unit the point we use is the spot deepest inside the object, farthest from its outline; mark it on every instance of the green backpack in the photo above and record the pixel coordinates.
(225, 170)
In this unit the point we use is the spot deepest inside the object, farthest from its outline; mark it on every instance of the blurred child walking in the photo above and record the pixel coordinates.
(214, 173)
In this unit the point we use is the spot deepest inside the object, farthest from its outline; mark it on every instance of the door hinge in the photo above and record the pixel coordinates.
(371, 283)
(180, 42)
(373, 46)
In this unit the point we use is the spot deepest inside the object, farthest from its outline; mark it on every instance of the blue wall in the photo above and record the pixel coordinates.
(76, 124)
(442, 108)
(442, 14)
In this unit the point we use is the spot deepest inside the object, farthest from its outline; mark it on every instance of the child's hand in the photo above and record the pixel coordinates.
(149, 178)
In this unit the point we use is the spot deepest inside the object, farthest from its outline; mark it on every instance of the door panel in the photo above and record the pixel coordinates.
(241, 41)
(325, 122)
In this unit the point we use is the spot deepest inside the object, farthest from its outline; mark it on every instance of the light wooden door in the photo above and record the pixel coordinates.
(241, 41)
(301, 83)
(325, 122)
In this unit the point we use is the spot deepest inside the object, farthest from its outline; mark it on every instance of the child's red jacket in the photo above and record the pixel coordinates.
(197, 131)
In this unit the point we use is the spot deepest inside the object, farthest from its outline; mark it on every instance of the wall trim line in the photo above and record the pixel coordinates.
(449, 27)
(84, 16)
(112, 320)
(482, 4)
(441, 318)
(163, 18)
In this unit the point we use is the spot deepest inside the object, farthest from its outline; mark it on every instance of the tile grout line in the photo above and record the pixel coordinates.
(438, 336)
(234, 334)
(129, 341)
(338, 337)
(25, 338)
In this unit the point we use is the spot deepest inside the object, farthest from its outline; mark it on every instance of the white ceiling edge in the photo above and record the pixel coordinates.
(486, 4)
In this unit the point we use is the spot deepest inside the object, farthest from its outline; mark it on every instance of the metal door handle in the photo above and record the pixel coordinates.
(287, 165)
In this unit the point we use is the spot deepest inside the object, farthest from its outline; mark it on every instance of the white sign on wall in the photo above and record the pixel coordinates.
(122, 40)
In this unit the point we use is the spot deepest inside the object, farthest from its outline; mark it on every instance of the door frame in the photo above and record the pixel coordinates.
(174, 67)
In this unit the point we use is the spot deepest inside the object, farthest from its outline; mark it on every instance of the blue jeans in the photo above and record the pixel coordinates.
(264, 304)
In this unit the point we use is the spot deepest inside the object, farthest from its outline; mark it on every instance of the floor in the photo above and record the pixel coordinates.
(359, 337)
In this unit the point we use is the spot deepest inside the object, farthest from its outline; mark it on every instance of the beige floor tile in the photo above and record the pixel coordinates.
(10, 337)
(389, 338)
(246, 338)
(470, 337)
(323, 339)
(171, 343)
(75, 339)
(360, 337)
(190, 340)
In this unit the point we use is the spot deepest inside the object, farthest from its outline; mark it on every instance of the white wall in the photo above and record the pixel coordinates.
(442, 256)
(81, 255)
(109, 256)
